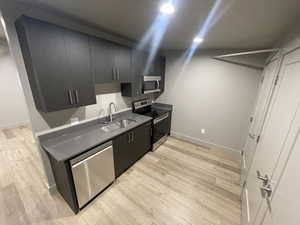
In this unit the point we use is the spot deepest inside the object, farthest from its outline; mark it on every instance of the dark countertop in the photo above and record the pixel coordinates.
(73, 141)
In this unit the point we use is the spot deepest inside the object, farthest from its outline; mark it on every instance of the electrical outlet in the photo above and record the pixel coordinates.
(203, 131)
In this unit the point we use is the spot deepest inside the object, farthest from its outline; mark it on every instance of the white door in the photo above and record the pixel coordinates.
(276, 129)
(266, 90)
(282, 207)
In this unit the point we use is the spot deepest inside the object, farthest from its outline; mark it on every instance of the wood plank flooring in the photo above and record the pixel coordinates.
(180, 183)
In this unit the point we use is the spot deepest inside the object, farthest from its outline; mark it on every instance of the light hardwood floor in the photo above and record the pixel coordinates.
(180, 183)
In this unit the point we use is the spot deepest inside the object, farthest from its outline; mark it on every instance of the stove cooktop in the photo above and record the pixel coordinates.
(144, 107)
(155, 113)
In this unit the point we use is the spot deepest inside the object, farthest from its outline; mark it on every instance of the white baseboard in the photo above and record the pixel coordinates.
(201, 142)
(15, 125)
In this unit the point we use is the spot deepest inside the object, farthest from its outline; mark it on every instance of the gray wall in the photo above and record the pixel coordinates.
(13, 107)
(212, 95)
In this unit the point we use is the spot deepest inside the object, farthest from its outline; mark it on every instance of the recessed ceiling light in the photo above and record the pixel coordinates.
(167, 8)
(198, 40)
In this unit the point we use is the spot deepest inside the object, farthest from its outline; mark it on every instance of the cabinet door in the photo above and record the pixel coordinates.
(141, 141)
(79, 66)
(102, 60)
(123, 64)
(44, 52)
(122, 153)
(161, 70)
(139, 60)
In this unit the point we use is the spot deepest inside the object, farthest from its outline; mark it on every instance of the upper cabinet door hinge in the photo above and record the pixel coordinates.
(258, 139)
(276, 80)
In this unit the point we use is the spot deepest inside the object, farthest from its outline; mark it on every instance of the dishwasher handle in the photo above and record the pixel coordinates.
(87, 155)
(90, 157)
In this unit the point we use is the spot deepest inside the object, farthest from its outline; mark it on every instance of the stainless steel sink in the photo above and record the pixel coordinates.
(125, 122)
(111, 127)
(117, 125)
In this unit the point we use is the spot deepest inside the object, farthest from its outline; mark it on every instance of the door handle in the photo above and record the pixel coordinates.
(265, 179)
(132, 136)
(267, 190)
(70, 97)
(76, 95)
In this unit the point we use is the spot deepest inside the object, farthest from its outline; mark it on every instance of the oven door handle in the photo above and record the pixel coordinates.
(151, 91)
(159, 119)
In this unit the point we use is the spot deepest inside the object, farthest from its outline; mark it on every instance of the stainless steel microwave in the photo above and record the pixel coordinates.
(151, 84)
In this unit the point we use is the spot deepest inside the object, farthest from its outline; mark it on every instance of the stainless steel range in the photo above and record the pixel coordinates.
(161, 123)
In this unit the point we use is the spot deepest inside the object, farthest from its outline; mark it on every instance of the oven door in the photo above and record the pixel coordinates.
(161, 129)
(151, 84)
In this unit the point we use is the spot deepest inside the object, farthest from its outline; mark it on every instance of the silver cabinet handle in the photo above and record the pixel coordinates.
(129, 137)
(70, 97)
(268, 190)
(265, 179)
(76, 95)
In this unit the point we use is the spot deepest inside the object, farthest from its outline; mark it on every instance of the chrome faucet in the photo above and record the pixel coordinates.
(110, 111)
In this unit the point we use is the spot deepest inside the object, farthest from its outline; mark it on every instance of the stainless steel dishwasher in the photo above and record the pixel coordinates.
(92, 172)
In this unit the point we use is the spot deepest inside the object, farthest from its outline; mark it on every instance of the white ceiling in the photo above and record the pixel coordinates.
(244, 24)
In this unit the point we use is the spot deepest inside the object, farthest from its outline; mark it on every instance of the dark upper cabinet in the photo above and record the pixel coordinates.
(79, 61)
(103, 60)
(140, 70)
(139, 61)
(123, 63)
(131, 146)
(58, 65)
(110, 62)
(161, 69)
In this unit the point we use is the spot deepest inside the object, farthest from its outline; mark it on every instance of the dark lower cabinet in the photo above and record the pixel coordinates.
(131, 146)
(127, 149)
(64, 182)
(58, 64)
